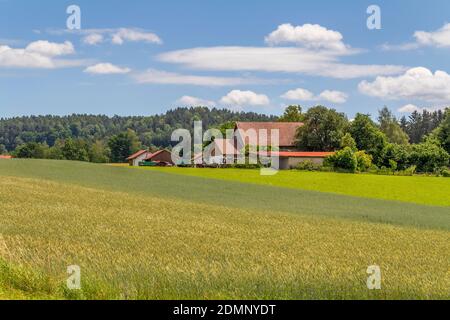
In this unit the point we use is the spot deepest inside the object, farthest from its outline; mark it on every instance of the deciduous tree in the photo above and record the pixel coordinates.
(323, 130)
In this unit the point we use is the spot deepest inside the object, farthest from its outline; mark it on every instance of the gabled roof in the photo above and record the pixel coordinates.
(150, 156)
(287, 131)
(137, 154)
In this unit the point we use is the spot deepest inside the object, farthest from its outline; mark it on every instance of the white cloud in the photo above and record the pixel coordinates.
(243, 98)
(134, 35)
(194, 101)
(117, 36)
(438, 38)
(312, 36)
(39, 54)
(106, 68)
(164, 77)
(93, 39)
(50, 49)
(417, 83)
(299, 94)
(274, 59)
(306, 95)
(333, 96)
(409, 108)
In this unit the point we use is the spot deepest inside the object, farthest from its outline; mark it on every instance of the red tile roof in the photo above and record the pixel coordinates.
(5, 157)
(152, 155)
(300, 154)
(137, 154)
(287, 131)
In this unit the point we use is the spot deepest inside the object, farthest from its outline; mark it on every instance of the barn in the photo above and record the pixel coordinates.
(161, 157)
(138, 157)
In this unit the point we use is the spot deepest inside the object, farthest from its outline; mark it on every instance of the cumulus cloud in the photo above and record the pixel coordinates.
(301, 94)
(134, 35)
(50, 49)
(164, 77)
(39, 54)
(333, 96)
(312, 36)
(417, 83)
(242, 98)
(93, 39)
(274, 59)
(438, 38)
(106, 68)
(194, 101)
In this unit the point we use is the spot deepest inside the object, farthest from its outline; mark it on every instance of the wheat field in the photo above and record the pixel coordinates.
(135, 246)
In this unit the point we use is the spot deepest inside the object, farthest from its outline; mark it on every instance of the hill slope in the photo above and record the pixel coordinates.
(138, 234)
(417, 189)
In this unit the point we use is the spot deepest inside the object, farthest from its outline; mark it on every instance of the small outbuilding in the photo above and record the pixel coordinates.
(290, 160)
(137, 157)
(161, 157)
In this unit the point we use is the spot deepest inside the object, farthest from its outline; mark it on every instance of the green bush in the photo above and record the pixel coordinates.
(344, 159)
(386, 171)
(364, 161)
(398, 153)
(428, 157)
(393, 165)
(308, 165)
(410, 171)
(445, 173)
(31, 150)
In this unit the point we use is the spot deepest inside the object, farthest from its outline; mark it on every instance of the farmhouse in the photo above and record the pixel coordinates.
(161, 157)
(249, 133)
(138, 157)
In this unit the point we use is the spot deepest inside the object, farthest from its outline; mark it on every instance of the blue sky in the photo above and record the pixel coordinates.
(144, 57)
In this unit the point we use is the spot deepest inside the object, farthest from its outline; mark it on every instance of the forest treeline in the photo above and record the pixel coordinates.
(152, 131)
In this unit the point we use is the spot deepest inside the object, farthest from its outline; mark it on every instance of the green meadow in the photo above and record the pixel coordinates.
(218, 234)
(415, 189)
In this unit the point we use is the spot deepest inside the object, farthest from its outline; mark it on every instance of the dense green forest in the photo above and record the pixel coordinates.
(151, 130)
